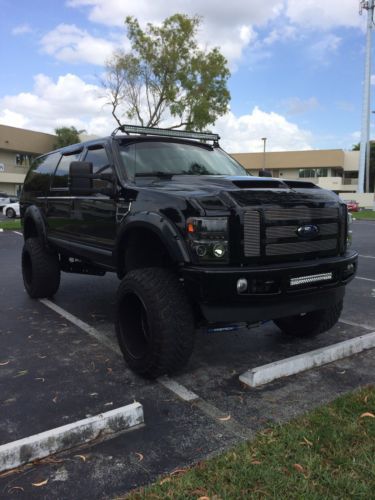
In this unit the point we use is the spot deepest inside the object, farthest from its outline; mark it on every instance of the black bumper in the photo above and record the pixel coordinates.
(215, 289)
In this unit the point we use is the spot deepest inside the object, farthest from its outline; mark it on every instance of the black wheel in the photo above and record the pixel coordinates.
(40, 269)
(154, 322)
(311, 323)
(10, 213)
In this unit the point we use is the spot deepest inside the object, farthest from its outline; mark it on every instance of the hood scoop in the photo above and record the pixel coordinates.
(260, 184)
(301, 185)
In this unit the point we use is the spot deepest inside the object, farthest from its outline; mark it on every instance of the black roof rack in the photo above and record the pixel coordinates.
(165, 132)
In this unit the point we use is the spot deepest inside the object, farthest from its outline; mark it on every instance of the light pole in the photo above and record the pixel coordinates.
(364, 148)
(264, 139)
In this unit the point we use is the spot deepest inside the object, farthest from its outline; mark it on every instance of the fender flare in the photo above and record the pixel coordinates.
(161, 227)
(36, 215)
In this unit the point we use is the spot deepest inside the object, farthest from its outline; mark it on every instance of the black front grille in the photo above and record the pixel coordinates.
(302, 214)
(278, 232)
(252, 233)
(273, 232)
(301, 247)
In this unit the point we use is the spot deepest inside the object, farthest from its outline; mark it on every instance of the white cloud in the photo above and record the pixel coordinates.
(236, 12)
(65, 102)
(70, 101)
(323, 48)
(22, 29)
(13, 119)
(281, 34)
(324, 14)
(229, 25)
(356, 136)
(71, 44)
(244, 133)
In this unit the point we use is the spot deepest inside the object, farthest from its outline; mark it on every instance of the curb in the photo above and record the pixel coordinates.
(302, 362)
(62, 438)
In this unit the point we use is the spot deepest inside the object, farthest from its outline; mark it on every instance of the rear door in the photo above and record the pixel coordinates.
(37, 183)
(60, 207)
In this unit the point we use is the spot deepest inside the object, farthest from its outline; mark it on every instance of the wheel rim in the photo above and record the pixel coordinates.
(10, 213)
(27, 268)
(134, 327)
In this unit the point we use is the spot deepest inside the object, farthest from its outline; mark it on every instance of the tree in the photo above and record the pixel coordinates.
(67, 136)
(167, 75)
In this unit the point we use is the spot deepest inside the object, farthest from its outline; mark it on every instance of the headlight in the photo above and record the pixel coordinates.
(349, 233)
(208, 238)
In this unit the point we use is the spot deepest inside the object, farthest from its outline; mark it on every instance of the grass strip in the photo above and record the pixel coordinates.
(328, 453)
(364, 215)
(14, 224)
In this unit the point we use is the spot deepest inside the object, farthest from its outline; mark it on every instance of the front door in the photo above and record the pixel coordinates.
(96, 214)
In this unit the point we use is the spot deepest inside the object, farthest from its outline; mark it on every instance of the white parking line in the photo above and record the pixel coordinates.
(180, 390)
(360, 325)
(176, 388)
(100, 337)
(361, 278)
(68, 436)
(367, 256)
(17, 232)
(302, 362)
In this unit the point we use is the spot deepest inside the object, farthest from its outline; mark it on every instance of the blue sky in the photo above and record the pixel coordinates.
(297, 66)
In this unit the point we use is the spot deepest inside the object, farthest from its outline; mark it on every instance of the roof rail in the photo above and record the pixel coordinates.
(165, 132)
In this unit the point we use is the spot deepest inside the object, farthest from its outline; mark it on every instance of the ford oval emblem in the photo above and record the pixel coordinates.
(308, 231)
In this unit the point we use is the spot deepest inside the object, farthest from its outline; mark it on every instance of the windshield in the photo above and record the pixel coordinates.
(173, 158)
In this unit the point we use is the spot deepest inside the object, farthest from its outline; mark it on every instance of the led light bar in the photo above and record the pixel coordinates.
(313, 278)
(135, 129)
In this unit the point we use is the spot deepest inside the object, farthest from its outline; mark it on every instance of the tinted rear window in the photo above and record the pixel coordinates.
(38, 178)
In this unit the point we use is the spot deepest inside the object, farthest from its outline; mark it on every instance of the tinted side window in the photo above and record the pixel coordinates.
(99, 159)
(61, 177)
(128, 158)
(38, 178)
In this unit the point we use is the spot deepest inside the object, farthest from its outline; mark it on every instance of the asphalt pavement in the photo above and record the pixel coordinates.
(52, 373)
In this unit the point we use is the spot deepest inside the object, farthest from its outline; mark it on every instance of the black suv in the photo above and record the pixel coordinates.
(192, 236)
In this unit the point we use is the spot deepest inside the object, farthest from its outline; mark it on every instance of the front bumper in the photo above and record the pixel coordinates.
(215, 289)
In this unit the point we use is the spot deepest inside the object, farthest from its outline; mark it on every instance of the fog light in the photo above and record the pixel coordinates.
(349, 239)
(348, 271)
(241, 285)
(219, 250)
(201, 250)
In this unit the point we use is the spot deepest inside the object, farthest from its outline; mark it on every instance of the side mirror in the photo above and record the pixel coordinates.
(80, 175)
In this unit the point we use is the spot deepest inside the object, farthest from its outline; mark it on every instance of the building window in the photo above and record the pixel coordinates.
(23, 160)
(19, 159)
(306, 173)
(313, 172)
(336, 172)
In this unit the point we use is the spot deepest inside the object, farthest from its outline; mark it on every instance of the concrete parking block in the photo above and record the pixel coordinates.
(47, 443)
(302, 362)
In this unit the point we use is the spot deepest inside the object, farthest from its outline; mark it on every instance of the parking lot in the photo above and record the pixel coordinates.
(54, 370)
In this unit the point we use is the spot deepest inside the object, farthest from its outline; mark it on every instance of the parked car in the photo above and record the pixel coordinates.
(195, 240)
(353, 206)
(12, 210)
(4, 199)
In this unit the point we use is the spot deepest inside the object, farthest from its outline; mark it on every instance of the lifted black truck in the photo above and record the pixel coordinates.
(192, 236)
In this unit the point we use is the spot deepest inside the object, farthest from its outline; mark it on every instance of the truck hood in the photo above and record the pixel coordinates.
(242, 190)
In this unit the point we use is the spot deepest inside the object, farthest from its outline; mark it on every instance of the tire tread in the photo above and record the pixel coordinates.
(172, 317)
(46, 270)
(312, 323)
